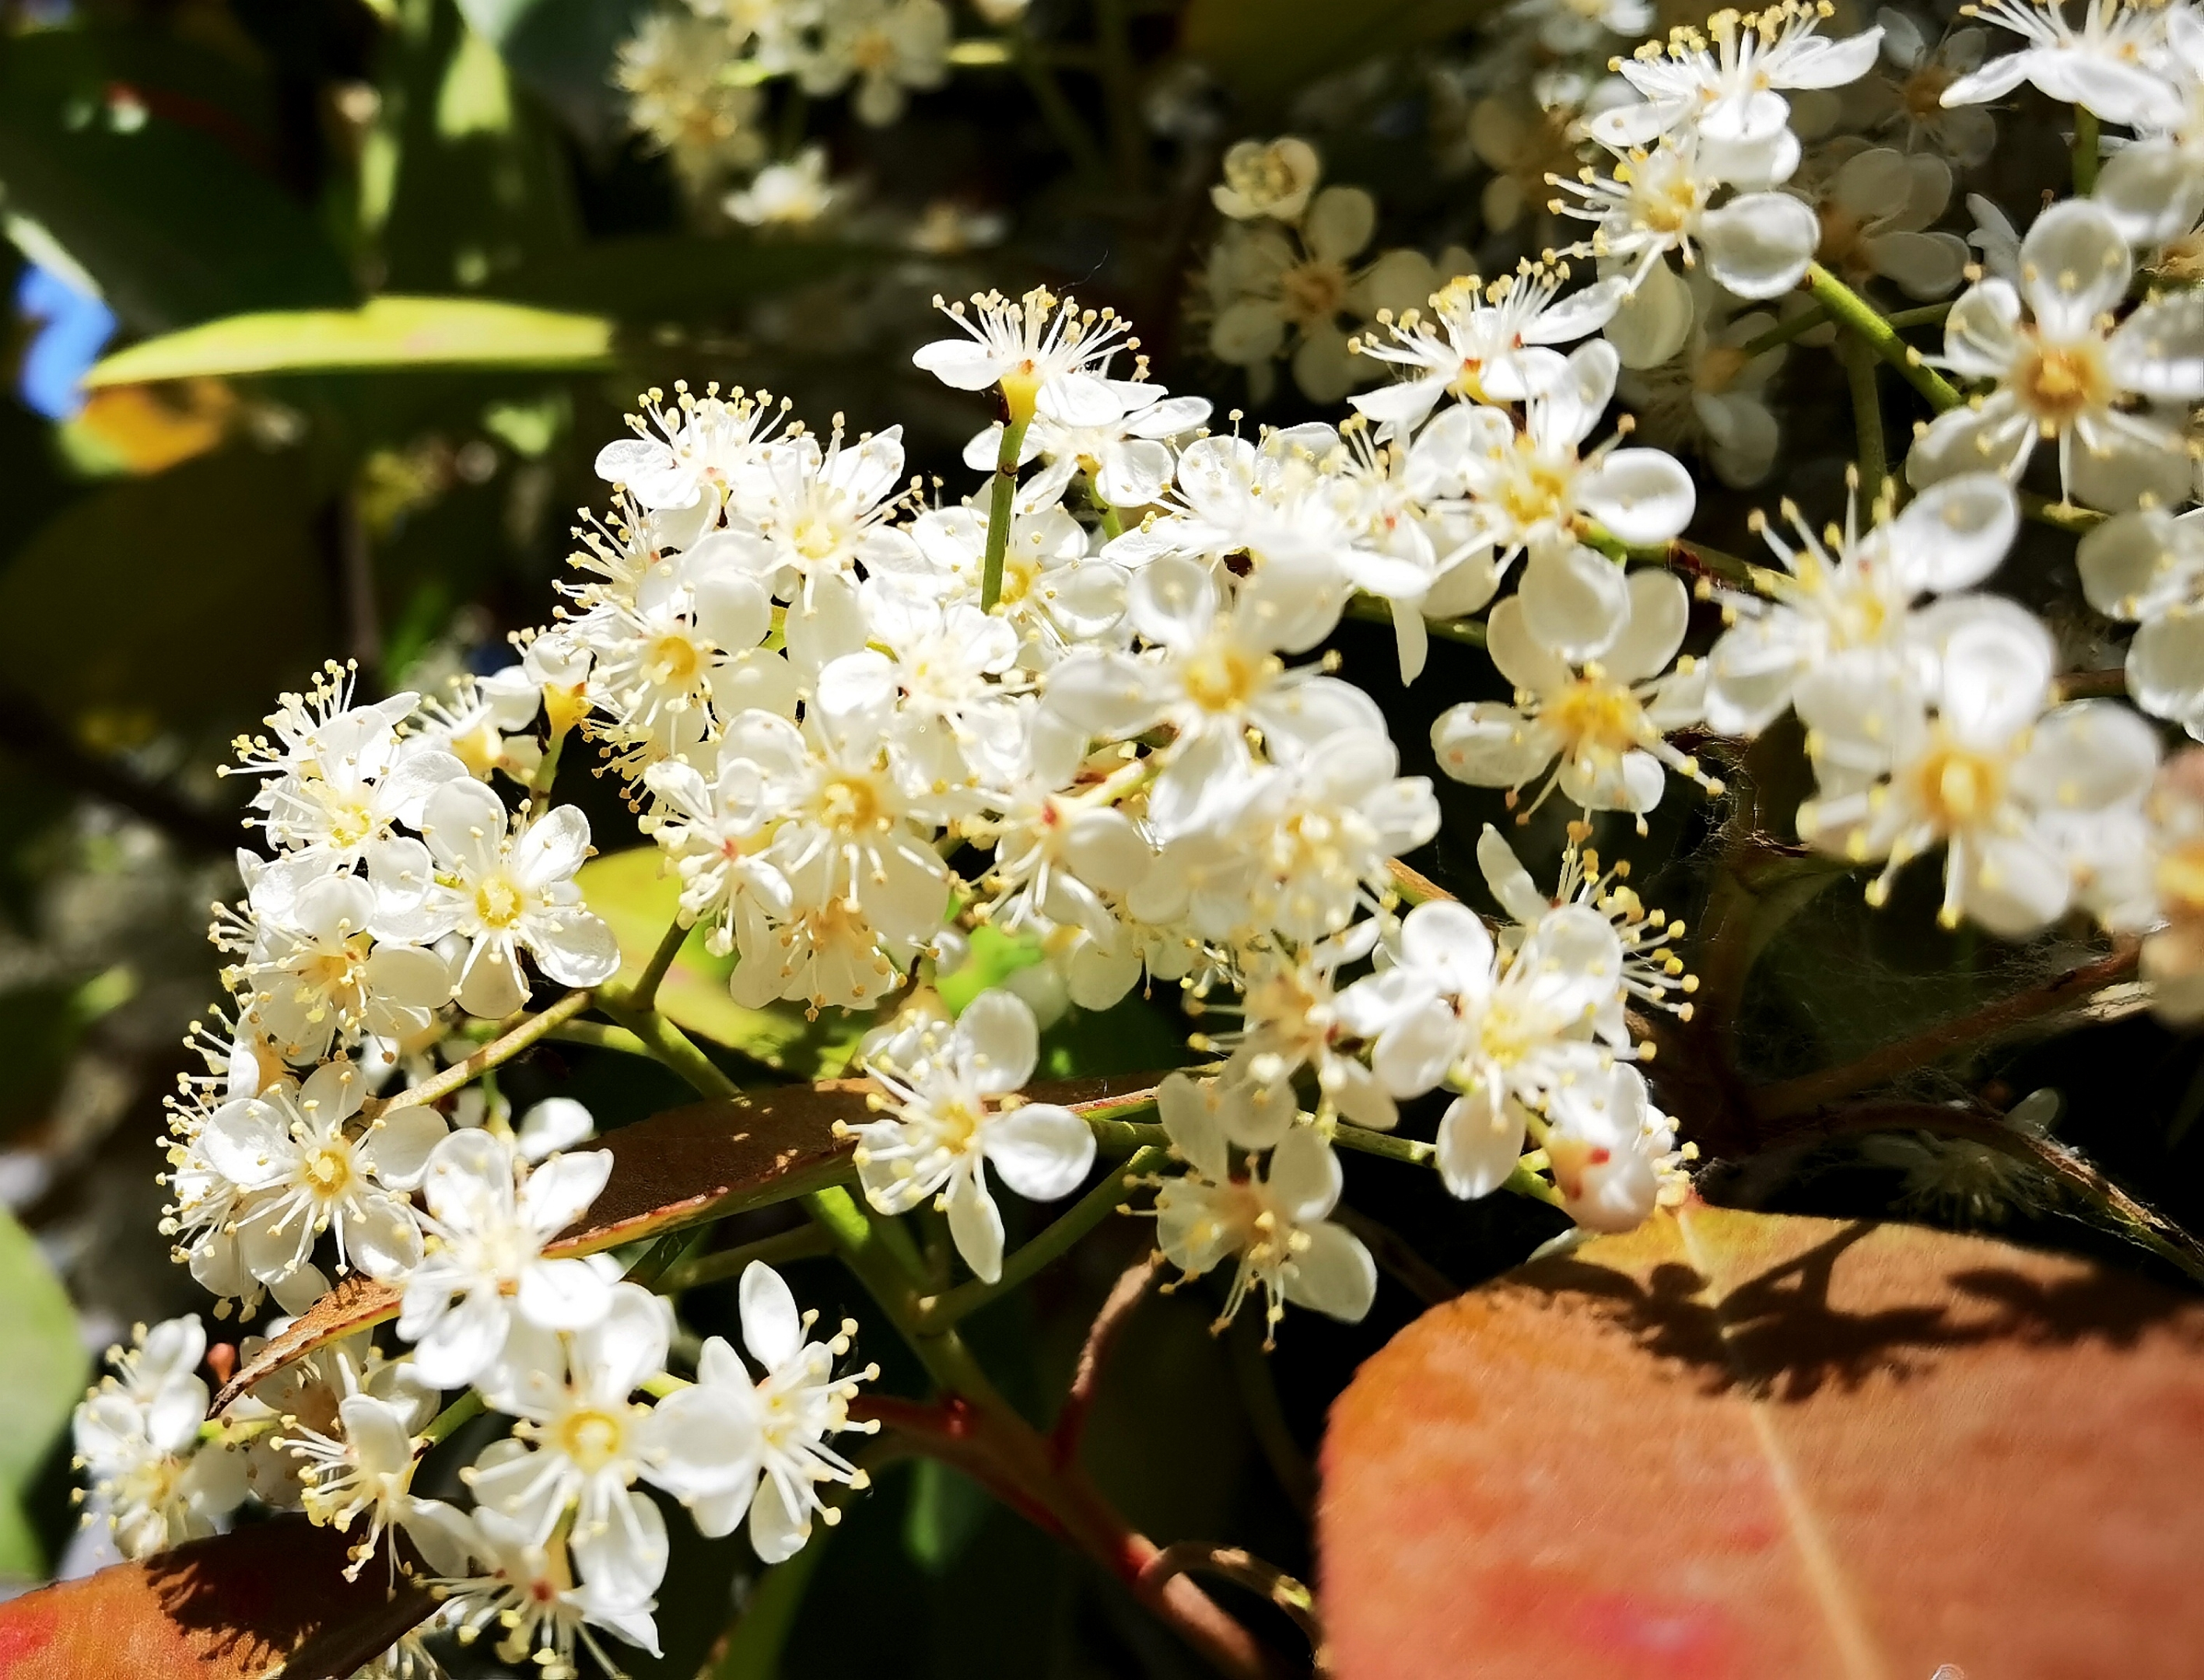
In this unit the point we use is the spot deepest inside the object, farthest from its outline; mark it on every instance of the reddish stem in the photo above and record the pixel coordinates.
(1126, 1294)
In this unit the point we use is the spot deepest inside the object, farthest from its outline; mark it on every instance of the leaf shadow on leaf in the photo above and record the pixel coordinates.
(1777, 1336)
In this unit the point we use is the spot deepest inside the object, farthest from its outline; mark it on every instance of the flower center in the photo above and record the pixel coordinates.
(1959, 787)
(817, 537)
(673, 662)
(592, 1439)
(1222, 677)
(351, 822)
(2181, 880)
(1923, 93)
(1718, 369)
(498, 902)
(328, 1171)
(2058, 383)
(1536, 489)
(852, 804)
(1313, 292)
(1596, 715)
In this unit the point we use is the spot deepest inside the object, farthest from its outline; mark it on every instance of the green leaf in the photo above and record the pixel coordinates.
(1267, 49)
(161, 199)
(40, 1382)
(389, 333)
(994, 956)
(945, 1511)
(637, 901)
(211, 596)
(675, 276)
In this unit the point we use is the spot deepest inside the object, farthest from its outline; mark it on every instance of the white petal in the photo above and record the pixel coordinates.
(1041, 1150)
(1758, 244)
(1478, 1144)
(975, 1225)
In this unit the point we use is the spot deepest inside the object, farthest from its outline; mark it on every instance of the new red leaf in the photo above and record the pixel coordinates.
(1732, 1445)
(270, 1598)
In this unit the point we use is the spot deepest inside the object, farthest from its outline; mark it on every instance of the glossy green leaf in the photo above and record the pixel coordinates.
(383, 333)
(41, 1381)
(1267, 49)
(159, 195)
(211, 590)
(1731, 1444)
(638, 901)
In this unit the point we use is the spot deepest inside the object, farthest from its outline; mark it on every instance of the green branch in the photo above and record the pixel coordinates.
(1857, 315)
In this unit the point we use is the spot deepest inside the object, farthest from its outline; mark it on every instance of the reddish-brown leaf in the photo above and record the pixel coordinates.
(680, 1168)
(270, 1598)
(1732, 1446)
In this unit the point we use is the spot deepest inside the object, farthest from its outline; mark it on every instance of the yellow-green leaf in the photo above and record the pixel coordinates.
(384, 334)
(638, 901)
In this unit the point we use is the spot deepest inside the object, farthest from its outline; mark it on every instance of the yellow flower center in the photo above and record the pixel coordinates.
(1222, 677)
(591, 1439)
(498, 902)
(1958, 788)
(1596, 715)
(2058, 384)
(852, 804)
(328, 1171)
(1313, 292)
(673, 662)
(2181, 880)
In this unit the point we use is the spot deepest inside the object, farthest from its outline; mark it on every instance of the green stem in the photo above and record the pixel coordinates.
(1056, 110)
(501, 1050)
(998, 513)
(940, 1311)
(1783, 332)
(664, 1042)
(2085, 151)
(1926, 316)
(802, 1242)
(1867, 413)
(600, 1036)
(1121, 87)
(1376, 610)
(547, 772)
(1856, 314)
(441, 1427)
(644, 993)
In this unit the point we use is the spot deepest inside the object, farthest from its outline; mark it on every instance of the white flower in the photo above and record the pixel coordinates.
(1873, 208)
(2173, 951)
(1268, 286)
(760, 1446)
(1125, 454)
(1492, 343)
(889, 46)
(291, 1149)
(866, 890)
(1216, 673)
(1567, 26)
(940, 686)
(489, 1217)
(1056, 592)
(1268, 178)
(487, 722)
(1031, 345)
(1507, 1033)
(702, 445)
(810, 517)
(946, 1128)
(526, 1588)
(1911, 102)
(704, 122)
(1758, 244)
(583, 1440)
(1727, 96)
(506, 888)
(1606, 721)
(1273, 1224)
(2036, 809)
(1652, 972)
(1540, 489)
(2062, 368)
(1292, 1020)
(137, 1439)
(794, 194)
(2106, 65)
(1613, 1154)
(2148, 566)
(1709, 395)
(319, 978)
(1950, 537)
(365, 1469)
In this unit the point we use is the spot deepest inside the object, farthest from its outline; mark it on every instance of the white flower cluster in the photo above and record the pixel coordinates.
(695, 79)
